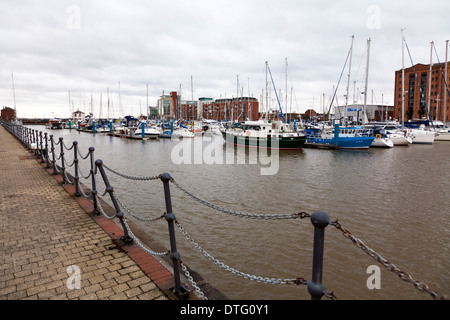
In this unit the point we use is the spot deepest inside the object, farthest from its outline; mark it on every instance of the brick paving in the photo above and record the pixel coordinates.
(44, 231)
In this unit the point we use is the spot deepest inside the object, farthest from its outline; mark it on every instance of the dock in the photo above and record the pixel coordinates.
(55, 248)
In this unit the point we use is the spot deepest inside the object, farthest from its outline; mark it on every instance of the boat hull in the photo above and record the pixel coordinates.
(344, 142)
(423, 138)
(287, 142)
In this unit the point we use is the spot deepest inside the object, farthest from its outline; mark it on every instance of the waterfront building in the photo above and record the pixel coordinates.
(8, 114)
(231, 109)
(166, 107)
(423, 98)
(374, 112)
(78, 116)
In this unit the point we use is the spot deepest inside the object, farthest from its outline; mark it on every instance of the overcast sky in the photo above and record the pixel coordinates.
(88, 48)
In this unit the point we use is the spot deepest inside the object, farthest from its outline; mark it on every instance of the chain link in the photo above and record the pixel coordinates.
(258, 216)
(131, 177)
(388, 265)
(139, 243)
(222, 265)
(135, 215)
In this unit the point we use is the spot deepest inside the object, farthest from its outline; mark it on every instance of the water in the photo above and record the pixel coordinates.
(395, 200)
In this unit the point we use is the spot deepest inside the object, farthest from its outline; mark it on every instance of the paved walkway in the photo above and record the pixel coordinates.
(44, 232)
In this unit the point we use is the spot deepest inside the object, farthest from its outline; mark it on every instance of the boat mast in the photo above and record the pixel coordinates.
(267, 91)
(286, 92)
(367, 80)
(192, 97)
(348, 77)
(403, 80)
(429, 77)
(445, 82)
(14, 91)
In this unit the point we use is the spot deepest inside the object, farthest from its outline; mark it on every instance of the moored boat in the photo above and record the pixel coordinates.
(54, 123)
(265, 134)
(346, 138)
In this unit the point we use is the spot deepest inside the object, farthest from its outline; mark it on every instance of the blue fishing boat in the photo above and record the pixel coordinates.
(345, 138)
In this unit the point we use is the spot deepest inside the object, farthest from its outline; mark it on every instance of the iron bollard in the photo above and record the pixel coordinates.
(316, 288)
(119, 214)
(179, 290)
(75, 160)
(53, 155)
(41, 150)
(94, 184)
(46, 150)
(63, 168)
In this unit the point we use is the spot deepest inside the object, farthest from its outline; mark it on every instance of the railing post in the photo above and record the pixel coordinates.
(46, 150)
(174, 254)
(63, 168)
(75, 160)
(55, 172)
(35, 141)
(94, 184)
(41, 150)
(316, 288)
(119, 214)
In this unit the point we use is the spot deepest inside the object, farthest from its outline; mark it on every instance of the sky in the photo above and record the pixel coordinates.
(58, 56)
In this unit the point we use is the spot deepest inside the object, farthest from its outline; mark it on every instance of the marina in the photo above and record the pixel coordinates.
(394, 199)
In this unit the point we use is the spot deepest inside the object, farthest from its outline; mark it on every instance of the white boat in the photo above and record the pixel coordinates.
(149, 131)
(382, 141)
(422, 136)
(399, 138)
(182, 133)
(442, 131)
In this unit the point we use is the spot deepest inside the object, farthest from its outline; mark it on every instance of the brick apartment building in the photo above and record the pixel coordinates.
(417, 89)
(8, 114)
(172, 107)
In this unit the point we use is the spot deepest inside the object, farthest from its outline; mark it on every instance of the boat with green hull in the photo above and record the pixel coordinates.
(265, 134)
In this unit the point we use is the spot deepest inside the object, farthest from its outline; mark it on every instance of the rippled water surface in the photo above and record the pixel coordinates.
(395, 200)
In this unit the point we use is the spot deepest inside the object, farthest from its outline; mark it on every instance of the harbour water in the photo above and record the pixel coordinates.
(395, 200)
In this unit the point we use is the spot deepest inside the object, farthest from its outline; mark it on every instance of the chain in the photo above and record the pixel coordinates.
(80, 188)
(136, 216)
(200, 294)
(131, 234)
(258, 216)
(82, 175)
(296, 281)
(81, 154)
(388, 265)
(130, 177)
(64, 145)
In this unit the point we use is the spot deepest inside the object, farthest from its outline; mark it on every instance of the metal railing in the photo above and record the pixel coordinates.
(39, 142)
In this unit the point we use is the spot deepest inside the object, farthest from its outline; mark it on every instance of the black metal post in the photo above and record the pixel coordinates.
(119, 214)
(75, 160)
(53, 155)
(41, 150)
(63, 167)
(46, 150)
(94, 184)
(316, 288)
(174, 254)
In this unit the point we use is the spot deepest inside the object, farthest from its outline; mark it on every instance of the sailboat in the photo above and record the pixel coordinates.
(353, 137)
(265, 133)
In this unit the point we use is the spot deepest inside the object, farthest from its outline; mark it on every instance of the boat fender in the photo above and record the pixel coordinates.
(247, 133)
